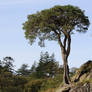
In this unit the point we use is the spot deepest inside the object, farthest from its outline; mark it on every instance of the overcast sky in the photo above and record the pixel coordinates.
(13, 13)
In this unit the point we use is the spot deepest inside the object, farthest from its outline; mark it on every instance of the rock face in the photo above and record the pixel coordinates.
(84, 77)
(85, 88)
(84, 72)
(91, 87)
(82, 80)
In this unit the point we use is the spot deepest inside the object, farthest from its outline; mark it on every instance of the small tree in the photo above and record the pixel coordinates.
(8, 64)
(47, 66)
(57, 23)
(23, 70)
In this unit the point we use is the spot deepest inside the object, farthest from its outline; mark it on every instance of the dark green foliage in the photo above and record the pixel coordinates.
(29, 80)
(8, 64)
(34, 85)
(23, 70)
(6, 72)
(33, 72)
(33, 68)
(45, 24)
(40, 85)
(47, 66)
(19, 81)
(10, 82)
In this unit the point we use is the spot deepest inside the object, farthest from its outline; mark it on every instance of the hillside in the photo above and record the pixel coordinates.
(46, 76)
(81, 81)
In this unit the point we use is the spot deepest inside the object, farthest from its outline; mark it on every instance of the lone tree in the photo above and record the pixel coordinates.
(58, 24)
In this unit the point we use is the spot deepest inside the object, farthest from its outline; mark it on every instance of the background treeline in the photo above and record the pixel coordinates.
(46, 74)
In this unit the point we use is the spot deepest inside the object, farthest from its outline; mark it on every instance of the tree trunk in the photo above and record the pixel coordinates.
(66, 69)
(65, 51)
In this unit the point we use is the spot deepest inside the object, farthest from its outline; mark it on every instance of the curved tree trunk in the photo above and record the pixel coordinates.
(66, 69)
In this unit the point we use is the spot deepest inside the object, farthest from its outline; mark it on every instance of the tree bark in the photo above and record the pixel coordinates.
(66, 69)
(65, 51)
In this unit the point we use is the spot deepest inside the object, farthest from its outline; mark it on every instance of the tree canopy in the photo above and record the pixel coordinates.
(61, 20)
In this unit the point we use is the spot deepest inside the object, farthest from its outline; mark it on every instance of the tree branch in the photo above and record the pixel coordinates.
(67, 40)
(59, 39)
(69, 45)
(64, 42)
(60, 42)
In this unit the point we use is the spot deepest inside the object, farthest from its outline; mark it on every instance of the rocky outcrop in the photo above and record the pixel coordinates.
(83, 78)
(84, 72)
(85, 88)
(81, 81)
